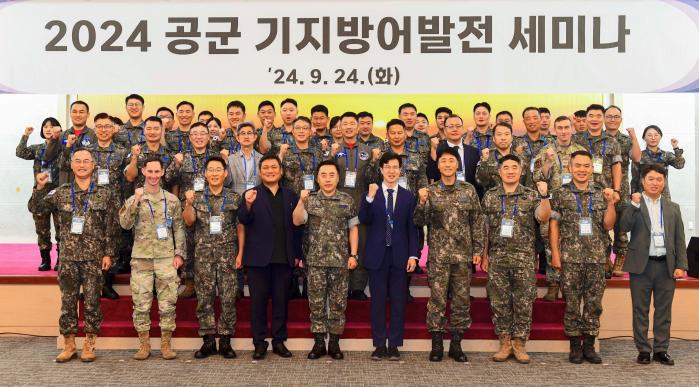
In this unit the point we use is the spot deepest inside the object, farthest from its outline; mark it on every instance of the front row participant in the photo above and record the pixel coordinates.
(155, 216)
(511, 210)
(583, 214)
(217, 256)
(87, 222)
(391, 251)
(452, 212)
(331, 219)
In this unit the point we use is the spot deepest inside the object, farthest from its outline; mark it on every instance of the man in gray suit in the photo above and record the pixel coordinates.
(657, 257)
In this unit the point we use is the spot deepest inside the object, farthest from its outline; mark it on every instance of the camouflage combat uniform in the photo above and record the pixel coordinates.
(419, 142)
(664, 158)
(621, 239)
(582, 257)
(129, 135)
(530, 149)
(153, 257)
(59, 150)
(276, 137)
(604, 147)
(214, 262)
(482, 141)
(455, 234)
(298, 163)
(177, 141)
(329, 219)
(488, 175)
(511, 263)
(81, 253)
(373, 142)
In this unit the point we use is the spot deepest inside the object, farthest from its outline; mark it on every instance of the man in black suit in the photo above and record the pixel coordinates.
(657, 257)
(469, 156)
(269, 254)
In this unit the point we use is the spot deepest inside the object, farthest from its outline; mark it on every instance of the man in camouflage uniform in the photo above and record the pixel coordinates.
(36, 152)
(416, 140)
(451, 211)
(177, 140)
(510, 211)
(159, 250)
(487, 172)
(276, 137)
(213, 213)
(87, 221)
(413, 174)
(482, 136)
(533, 140)
(187, 173)
(365, 131)
(331, 216)
(630, 151)
(131, 133)
(583, 214)
(551, 167)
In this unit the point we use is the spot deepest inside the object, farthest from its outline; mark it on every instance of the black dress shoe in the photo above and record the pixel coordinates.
(379, 353)
(260, 351)
(643, 358)
(358, 295)
(281, 350)
(393, 354)
(663, 358)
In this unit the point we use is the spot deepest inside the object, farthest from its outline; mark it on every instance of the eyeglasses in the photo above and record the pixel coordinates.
(104, 127)
(216, 170)
(86, 161)
(613, 117)
(133, 105)
(454, 126)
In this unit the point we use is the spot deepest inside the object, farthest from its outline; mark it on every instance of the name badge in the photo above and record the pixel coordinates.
(168, 221)
(585, 226)
(531, 165)
(102, 176)
(77, 225)
(460, 176)
(566, 178)
(350, 179)
(597, 165)
(507, 227)
(161, 232)
(659, 239)
(215, 224)
(403, 182)
(198, 184)
(309, 184)
(249, 185)
(47, 171)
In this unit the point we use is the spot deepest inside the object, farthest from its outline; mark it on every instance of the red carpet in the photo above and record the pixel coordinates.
(23, 259)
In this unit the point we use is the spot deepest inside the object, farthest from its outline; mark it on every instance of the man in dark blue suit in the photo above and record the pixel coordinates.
(469, 155)
(391, 251)
(269, 254)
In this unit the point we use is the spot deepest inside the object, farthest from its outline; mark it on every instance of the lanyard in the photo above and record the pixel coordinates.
(502, 205)
(231, 149)
(128, 134)
(303, 170)
(152, 214)
(208, 204)
(285, 136)
(529, 144)
(658, 158)
(245, 165)
(87, 200)
(109, 158)
(356, 158)
(179, 141)
(592, 150)
(487, 143)
(41, 155)
(194, 164)
(578, 202)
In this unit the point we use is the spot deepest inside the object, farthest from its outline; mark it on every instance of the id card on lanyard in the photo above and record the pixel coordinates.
(597, 161)
(249, 181)
(161, 232)
(308, 181)
(45, 168)
(507, 226)
(215, 222)
(77, 224)
(103, 173)
(351, 176)
(199, 181)
(659, 236)
(585, 224)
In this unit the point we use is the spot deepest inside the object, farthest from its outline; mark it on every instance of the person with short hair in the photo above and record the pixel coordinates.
(654, 155)
(131, 132)
(177, 140)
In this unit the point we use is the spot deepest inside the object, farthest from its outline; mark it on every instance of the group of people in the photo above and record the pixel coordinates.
(320, 207)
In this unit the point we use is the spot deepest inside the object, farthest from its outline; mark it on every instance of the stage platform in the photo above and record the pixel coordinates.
(30, 304)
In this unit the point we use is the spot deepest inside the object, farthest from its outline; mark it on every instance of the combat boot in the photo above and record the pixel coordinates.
(208, 348)
(188, 291)
(576, 355)
(318, 349)
(455, 351)
(618, 271)
(224, 347)
(552, 292)
(519, 347)
(588, 350)
(437, 351)
(608, 267)
(107, 289)
(334, 347)
(505, 350)
(45, 260)
(166, 346)
(68, 349)
(88, 353)
(143, 352)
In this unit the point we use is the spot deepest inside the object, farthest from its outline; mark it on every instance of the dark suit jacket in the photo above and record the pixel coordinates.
(404, 240)
(637, 220)
(471, 157)
(259, 228)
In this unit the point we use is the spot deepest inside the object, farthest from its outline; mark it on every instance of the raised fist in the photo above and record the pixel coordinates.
(608, 195)
(179, 159)
(485, 154)
(324, 144)
(250, 197)
(632, 132)
(189, 197)
(674, 143)
(335, 148)
(304, 195)
(636, 198)
(542, 187)
(375, 154)
(224, 153)
(41, 180)
(28, 130)
(282, 150)
(434, 141)
(519, 149)
(423, 193)
(267, 124)
(136, 151)
(550, 154)
(138, 195)
(373, 188)
(71, 140)
(56, 132)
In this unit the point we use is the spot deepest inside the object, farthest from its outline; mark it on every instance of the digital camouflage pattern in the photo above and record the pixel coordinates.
(512, 291)
(603, 146)
(177, 141)
(665, 158)
(329, 219)
(442, 277)
(300, 162)
(487, 174)
(71, 276)
(327, 298)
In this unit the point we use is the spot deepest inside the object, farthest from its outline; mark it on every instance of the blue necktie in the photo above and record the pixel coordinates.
(389, 217)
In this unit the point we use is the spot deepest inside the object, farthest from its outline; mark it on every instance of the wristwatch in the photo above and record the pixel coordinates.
(547, 196)
(355, 256)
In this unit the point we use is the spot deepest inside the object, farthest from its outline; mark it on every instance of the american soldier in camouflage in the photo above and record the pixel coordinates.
(86, 217)
(331, 219)
(579, 232)
(451, 211)
(511, 211)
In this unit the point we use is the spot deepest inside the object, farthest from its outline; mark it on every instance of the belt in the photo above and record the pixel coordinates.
(657, 258)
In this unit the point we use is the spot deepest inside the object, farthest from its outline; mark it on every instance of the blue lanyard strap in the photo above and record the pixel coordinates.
(208, 204)
(179, 141)
(356, 158)
(502, 205)
(245, 165)
(658, 158)
(194, 163)
(152, 214)
(128, 134)
(487, 142)
(41, 155)
(577, 200)
(109, 158)
(87, 200)
(303, 169)
(592, 150)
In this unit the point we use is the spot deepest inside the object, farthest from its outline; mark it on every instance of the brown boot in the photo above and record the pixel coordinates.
(88, 353)
(518, 346)
(188, 291)
(552, 292)
(144, 351)
(505, 350)
(617, 271)
(68, 349)
(166, 346)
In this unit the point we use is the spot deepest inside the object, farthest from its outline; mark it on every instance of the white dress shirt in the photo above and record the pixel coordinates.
(656, 222)
(385, 188)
